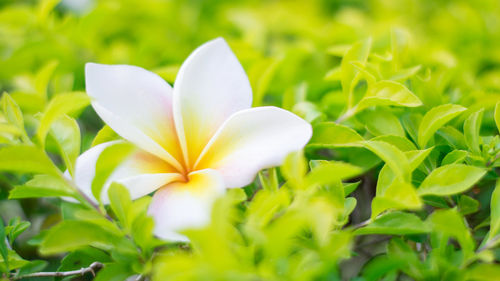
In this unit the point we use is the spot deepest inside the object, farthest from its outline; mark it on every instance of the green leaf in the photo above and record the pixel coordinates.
(483, 272)
(467, 205)
(42, 78)
(14, 261)
(16, 227)
(120, 201)
(395, 223)
(388, 93)
(60, 105)
(381, 122)
(42, 186)
(328, 172)
(435, 119)
(401, 143)
(451, 223)
(32, 267)
(472, 126)
(450, 179)
(3, 245)
(392, 156)
(72, 234)
(392, 193)
(104, 135)
(26, 159)
(66, 133)
(358, 52)
(495, 212)
(454, 157)
(330, 135)
(497, 116)
(350, 187)
(82, 258)
(110, 158)
(416, 157)
(399, 45)
(261, 75)
(398, 249)
(114, 272)
(12, 112)
(294, 168)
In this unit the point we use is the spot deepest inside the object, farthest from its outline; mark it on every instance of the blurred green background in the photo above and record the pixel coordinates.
(291, 51)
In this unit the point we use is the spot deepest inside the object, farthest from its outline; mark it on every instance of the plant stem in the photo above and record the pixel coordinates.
(90, 269)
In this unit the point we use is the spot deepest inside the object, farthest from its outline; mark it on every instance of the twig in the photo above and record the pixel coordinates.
(91, 269)
(348, 114)
(87, 199)
(489, 244)
(361, 224)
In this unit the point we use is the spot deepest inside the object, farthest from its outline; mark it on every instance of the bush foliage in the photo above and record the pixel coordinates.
(400, 180)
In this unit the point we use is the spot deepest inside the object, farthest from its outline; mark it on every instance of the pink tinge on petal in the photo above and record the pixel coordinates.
(185, 205)
(141, 173)
(251, 140)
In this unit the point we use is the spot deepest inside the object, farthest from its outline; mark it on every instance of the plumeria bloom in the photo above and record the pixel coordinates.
(193, 140)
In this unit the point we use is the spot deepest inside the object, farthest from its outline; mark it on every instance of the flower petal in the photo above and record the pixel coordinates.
(141, 173)
(181, 205)
(137, 104)
(251, 140)
(211, 85)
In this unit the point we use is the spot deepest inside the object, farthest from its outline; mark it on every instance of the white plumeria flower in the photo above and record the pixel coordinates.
(193, 141)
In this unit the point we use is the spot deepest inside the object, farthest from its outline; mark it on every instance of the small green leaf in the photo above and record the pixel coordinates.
(395, 223)
(14, 261)
(358, 52)
(350, 187)
(401, 143)
(32, 267)
(416, 157)
(114, 272)
(42, 78)
(66, 133)
(472, 126)
(3, 245)
(394, 194)
(60, 105)
(110, 158)
(26, 159)
(42, 186)
(381, 122)
(12, 112)
(330, 135)
(451, 179)
(294, 168)
(83, 258)
(328, 172)
(71, 235)
(104, 135)
(451, 223)
(497, 116)
(435, 119)
(120, 201)
(455, 157)
(483, 272)
(16, 227)
(392, 156)
(495, 212)
(467, 205)
(388, 93)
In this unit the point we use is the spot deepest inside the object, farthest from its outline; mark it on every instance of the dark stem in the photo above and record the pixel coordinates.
(90, 269)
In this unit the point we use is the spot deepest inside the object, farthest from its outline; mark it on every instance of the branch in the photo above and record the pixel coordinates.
(90, 269)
